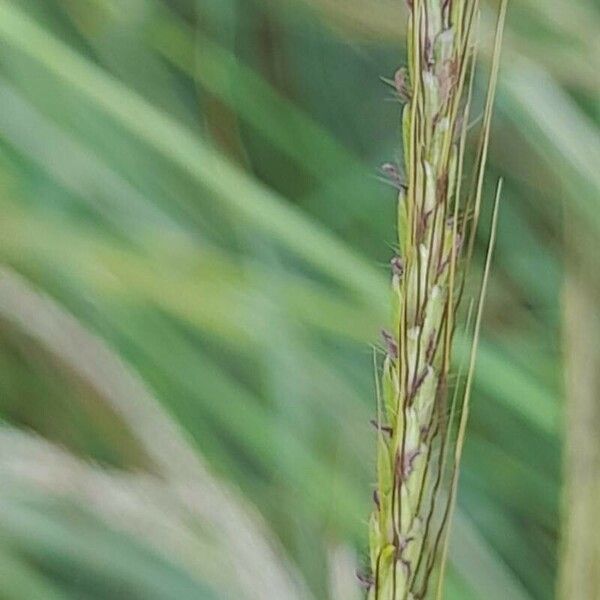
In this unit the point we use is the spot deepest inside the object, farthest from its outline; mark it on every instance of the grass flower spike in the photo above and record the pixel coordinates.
(422, 409)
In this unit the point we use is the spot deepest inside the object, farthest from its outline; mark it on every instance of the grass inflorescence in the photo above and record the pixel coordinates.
(422, 408)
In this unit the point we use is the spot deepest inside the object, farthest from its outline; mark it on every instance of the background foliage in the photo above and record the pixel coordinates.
(196, 240)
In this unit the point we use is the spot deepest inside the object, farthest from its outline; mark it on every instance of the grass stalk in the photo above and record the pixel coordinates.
(579, 575)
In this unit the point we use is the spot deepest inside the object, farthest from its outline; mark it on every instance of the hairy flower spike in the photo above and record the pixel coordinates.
(436, 226)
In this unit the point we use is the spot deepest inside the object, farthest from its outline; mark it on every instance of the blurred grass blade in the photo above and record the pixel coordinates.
(488, 576)
(466, 401)
(580, 557)
(247, 199)
(142, 506)
(250, 96)
(74, 165)
(537, 103)
(251, 550)
(58, 540)
(20, 580)
(343, 580)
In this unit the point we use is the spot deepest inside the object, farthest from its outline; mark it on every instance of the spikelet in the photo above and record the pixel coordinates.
(418, 440)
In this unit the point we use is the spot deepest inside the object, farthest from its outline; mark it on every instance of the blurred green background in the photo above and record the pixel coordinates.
(195, 241)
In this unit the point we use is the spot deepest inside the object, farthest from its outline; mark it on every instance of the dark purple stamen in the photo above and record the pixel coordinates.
(366, 581)
(385, 428)
(397, 266)
(417, 383)
(391, 343)
(428, 50)
(458, 243)
(430, 347)
(402, 544)
(402, 84)
(376, 499)
(392, 172)
(409, 460)
(406, 566)
(447, 80)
